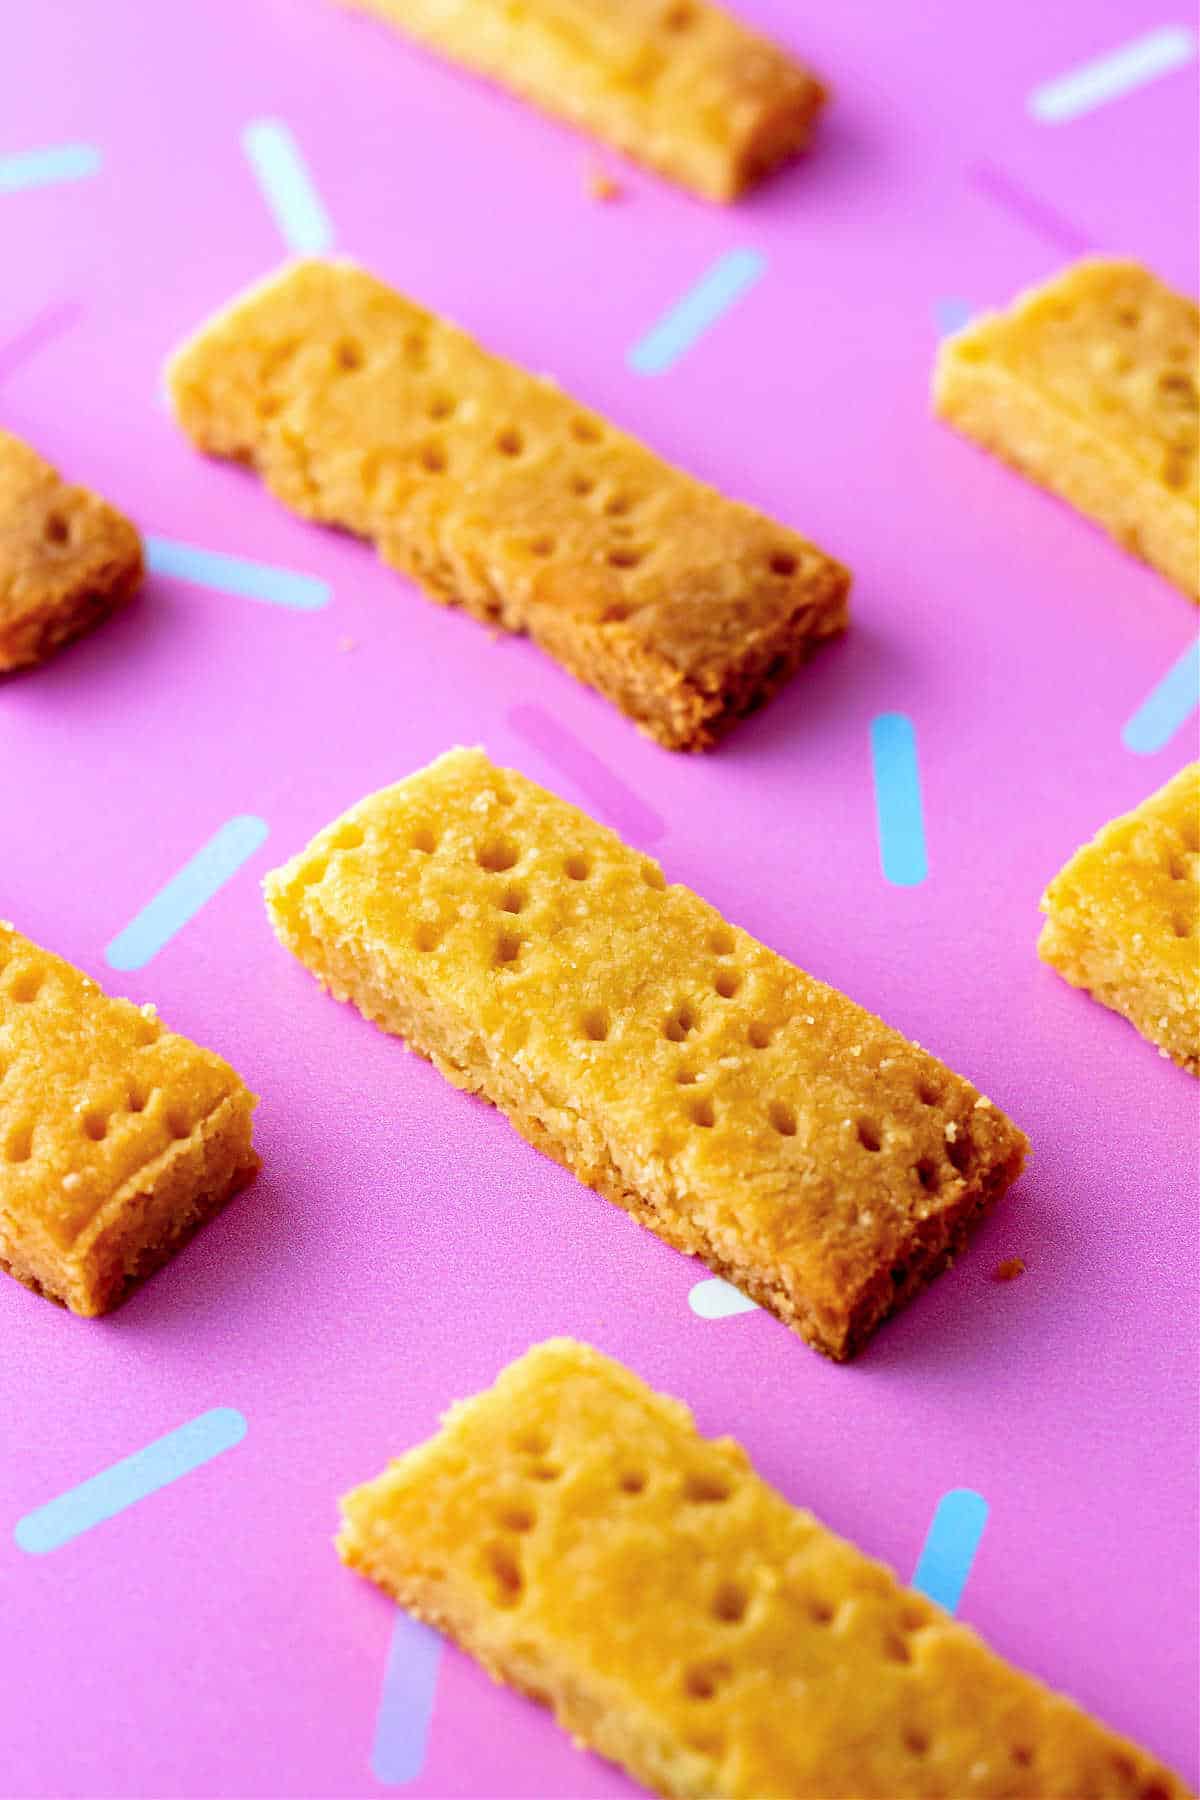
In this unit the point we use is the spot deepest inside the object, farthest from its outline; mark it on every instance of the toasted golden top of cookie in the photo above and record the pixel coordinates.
(793, 1121)
(56, 541)
(1139, 879)
(681, 84)
(93, 1091)
(361, 408)
(1118, 348)
(572, 1521)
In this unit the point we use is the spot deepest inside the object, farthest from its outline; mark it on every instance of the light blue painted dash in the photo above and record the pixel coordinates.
(406, 1702)
(898, 800)
(1167, 706)
(699, 309)
(1107, 77)
(39, 168)
(717, 1299)
(287, 187)
(180, 900)
(236, 575)
(950, 1546)
(105, 1495)
(951, 313)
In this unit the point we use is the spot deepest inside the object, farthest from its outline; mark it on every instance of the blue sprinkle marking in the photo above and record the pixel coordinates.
(717, 1299)
(105, 1495)
(1166, 707)
(951, 314)
(898, 800)
(406, 1702)
(236, 575)
(39, 168)
(287, 187)
(183, 896)
(699, 309)
(1107, 77)
(953, 1538)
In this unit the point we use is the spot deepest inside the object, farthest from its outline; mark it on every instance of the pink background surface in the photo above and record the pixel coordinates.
(402, 1242)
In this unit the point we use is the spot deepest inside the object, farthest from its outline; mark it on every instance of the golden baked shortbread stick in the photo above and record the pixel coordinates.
(1089, 386)
(495, 491)
(67, 558)
(744, 1112)
(572, 1530)
(1123, 918)
(117, 1138)
(678, 84)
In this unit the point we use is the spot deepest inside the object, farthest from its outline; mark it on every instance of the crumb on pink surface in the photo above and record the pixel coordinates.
(1009, 1269)
(601, 185)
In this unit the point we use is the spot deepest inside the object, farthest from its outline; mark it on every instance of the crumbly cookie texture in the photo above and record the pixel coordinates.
(497, 492)
(680, 85)
(744, 1112)
(574, 1533)
(1123, 918)
(67, 558)
(117, 1138)
(1089, 386)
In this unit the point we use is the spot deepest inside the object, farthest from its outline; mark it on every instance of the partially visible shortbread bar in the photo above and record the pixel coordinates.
(1123, 918)
(679, 84)
(746, 1113)
(1089, 385)
(117, 1138)
(495, 491)
(67, 558)
(573, 1532)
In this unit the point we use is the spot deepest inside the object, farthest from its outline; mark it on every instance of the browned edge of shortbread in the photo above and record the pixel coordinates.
(175, 1194)
(771, 102)
(686, 702)
(928, 1254)
(930, 1248)
(77, 559)
(986, 395)
(666, 704)
(1085, 962)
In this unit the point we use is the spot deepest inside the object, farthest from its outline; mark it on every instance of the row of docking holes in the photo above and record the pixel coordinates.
(497, 855)
(23, 989)
(1146, 848)
(730, 1603)
(510, 442)
(96, 1123)
(518, 1517)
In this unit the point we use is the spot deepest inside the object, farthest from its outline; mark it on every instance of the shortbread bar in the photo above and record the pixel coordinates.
(678, 84)
(574, 1533)
(67, 558)
(1123, 918)
(495, 491)
(1089, 386)
(746, 1113)
(117, 1138)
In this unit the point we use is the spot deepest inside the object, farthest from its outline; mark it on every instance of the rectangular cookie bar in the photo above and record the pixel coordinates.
(1088, 385)
(495, 491)
(67, 558)
(573, 1532)
(678, 84)
(744, 1112)
(1123, 918)
(117, 1138)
